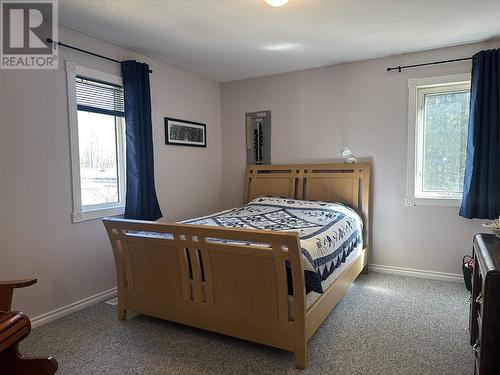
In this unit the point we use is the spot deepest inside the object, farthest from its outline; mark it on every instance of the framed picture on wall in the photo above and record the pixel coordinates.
(185, 133)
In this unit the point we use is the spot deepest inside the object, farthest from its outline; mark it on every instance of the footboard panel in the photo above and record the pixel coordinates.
(226, 280)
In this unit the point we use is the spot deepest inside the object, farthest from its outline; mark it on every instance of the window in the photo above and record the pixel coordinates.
(437, 139)
(97, 131)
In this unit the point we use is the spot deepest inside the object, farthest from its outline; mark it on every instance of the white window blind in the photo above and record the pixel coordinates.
(99, 97)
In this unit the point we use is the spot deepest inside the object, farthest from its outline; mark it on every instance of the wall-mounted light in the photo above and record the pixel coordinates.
(348, 156)
(276, 3)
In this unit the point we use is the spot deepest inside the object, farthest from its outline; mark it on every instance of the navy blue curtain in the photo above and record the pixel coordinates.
(481, 198)
(141, 201)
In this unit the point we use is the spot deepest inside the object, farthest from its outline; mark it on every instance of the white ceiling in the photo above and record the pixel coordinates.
(235, 39)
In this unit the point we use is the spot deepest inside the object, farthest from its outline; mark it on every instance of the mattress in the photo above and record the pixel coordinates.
(328, 232)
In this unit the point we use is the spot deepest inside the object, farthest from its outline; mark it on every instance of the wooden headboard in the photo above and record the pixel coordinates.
(330, 182)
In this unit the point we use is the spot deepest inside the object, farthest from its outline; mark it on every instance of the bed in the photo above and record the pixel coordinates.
(234, 273)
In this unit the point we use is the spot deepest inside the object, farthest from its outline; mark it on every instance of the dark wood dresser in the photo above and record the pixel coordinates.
(484, 321)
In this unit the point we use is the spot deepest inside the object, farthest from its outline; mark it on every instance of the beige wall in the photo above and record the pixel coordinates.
(318, 111)
(37, 238)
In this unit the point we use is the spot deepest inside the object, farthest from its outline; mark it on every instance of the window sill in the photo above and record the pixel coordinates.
(453, 202)
(97, 214)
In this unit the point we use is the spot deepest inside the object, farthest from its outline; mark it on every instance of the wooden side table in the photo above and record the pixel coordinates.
(14, 327)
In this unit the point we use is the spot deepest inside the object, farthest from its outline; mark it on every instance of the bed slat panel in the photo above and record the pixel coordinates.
(331, 189)
(243, 283)
(162, 265)
(272, 185)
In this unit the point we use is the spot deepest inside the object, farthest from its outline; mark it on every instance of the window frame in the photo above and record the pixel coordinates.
(89, 212)
(417, 89)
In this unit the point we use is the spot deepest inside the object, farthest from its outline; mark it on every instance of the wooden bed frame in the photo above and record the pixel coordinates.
(233, 289)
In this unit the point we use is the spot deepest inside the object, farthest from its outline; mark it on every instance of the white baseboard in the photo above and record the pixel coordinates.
(423, 274)
(73, 307)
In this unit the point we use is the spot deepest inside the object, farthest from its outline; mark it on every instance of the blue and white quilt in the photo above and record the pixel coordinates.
(328, 232)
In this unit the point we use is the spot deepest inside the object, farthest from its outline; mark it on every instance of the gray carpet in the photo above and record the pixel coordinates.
(384, 325)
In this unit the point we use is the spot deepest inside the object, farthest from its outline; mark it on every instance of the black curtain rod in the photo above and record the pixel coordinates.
(61, 44)
(399, 68)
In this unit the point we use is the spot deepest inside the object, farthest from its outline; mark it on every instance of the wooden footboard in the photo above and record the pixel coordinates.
(191, 277)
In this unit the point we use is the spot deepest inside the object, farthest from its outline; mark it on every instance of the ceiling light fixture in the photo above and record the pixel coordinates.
(276, 3)
(281, 47)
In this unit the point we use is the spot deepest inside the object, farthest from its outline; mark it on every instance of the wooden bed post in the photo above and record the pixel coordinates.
(365, 173)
